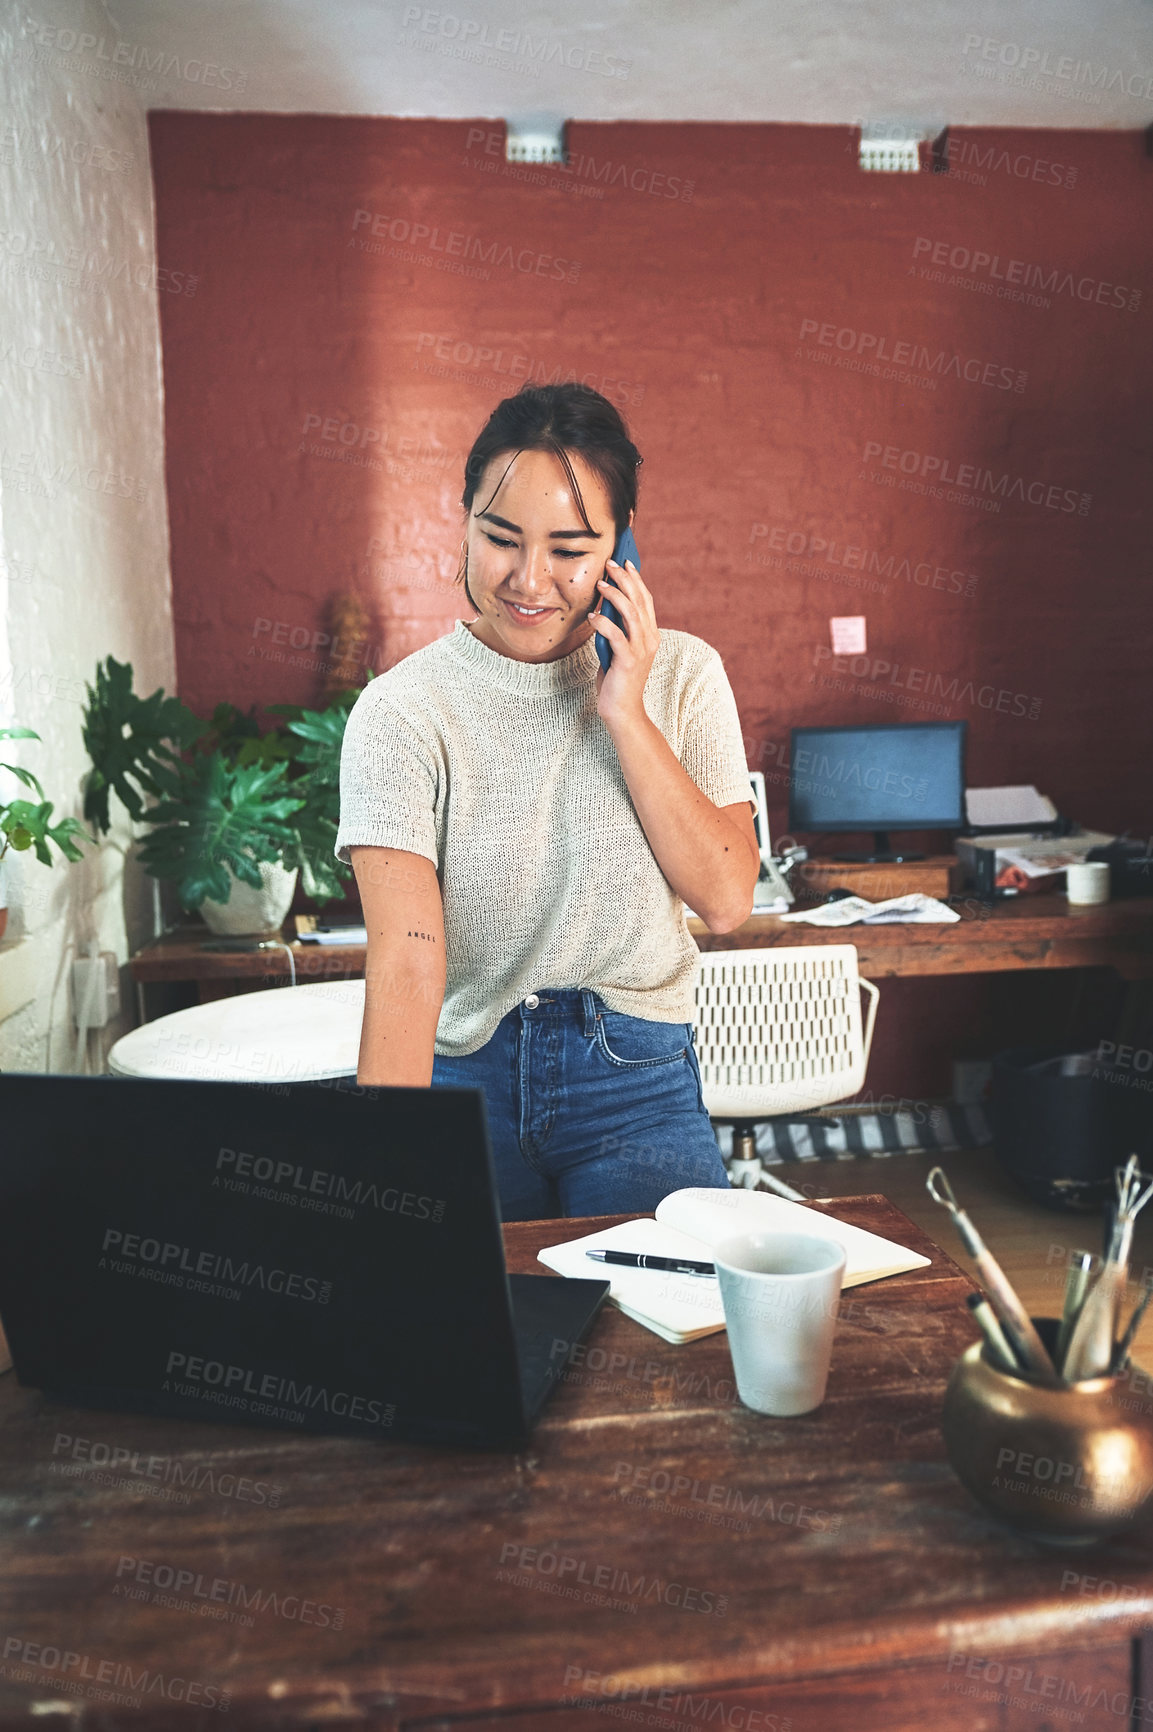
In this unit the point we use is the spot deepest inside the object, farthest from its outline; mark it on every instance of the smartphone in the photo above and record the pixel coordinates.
(626, 548)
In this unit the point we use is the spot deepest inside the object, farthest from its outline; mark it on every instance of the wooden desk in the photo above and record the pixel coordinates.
(804, 1575)
(178, 957)
(1032, 932)
(1027, 932)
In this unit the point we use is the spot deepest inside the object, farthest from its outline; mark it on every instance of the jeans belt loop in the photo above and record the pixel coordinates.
(588, 1005)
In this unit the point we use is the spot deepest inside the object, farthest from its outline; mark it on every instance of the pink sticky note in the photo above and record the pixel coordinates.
(848, 635)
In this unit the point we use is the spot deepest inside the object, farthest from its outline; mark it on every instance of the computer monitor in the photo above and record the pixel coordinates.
(907, 776)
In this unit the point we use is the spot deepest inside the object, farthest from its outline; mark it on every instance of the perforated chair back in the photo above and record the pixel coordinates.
(779, 1031)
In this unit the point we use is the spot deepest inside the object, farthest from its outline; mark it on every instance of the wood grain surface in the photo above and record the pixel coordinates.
(1031, 932)
(656, 1533)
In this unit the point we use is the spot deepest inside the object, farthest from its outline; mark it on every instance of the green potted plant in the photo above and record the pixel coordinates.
(28, 824)
(234, 815)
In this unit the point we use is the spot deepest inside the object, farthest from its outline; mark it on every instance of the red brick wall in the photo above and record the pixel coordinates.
(812, 360)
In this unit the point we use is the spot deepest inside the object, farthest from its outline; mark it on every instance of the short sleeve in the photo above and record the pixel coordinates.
(713, 750)
(389, 780)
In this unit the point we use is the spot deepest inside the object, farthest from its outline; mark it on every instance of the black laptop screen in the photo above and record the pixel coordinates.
(324, 1256)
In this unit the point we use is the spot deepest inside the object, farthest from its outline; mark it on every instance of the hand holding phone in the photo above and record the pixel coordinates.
(626, 548)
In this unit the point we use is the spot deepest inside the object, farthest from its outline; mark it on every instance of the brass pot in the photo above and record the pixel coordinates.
(1069, 1466)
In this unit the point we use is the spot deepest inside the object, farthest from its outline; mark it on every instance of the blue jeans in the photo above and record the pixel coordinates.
(590, 1112)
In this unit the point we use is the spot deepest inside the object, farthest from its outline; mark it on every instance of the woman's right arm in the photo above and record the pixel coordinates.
(405, 970)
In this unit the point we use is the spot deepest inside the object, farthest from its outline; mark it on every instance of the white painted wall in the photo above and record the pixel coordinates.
(1035, 63)
(83, 519)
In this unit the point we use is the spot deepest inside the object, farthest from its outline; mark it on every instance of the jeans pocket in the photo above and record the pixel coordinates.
(632, 1043)
(695, 1064)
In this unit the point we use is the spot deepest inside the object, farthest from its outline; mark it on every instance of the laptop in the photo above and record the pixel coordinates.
(771, 893)
(316, 1256)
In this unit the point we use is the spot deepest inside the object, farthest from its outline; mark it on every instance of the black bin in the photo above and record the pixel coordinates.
(1061, 1136)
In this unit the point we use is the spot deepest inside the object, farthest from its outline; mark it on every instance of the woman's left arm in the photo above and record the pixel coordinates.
(708, 853)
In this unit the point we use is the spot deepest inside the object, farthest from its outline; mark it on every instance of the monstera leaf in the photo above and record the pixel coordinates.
(237, 734)
(242, 798)
(322, 875)
(128, 738)
(320, 733)
(211, 816)
(27, 826)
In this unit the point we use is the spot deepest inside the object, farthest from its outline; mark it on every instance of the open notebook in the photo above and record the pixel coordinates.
(690, 1223)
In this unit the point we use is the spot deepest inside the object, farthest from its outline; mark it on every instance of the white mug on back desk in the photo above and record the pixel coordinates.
(780, 1293)
(1087, 883)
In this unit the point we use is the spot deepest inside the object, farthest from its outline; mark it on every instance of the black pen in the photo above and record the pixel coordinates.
(646, 1260)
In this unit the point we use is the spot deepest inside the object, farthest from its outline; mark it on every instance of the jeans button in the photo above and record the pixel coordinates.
(531, 1001)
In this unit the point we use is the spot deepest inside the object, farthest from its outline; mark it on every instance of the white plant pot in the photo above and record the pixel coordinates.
(249, 910)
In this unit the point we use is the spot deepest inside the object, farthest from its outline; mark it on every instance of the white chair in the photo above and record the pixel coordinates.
(283, 1034)
(779, 1031)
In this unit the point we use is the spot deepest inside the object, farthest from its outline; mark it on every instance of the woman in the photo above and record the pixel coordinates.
(525, 831)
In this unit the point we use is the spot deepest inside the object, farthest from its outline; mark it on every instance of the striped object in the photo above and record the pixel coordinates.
(849, 1134)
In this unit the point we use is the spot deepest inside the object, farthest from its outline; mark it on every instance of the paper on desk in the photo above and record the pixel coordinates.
(677, 1307)
(690, 1223)
(990, 807)
(1026, 863)
(715, 1215)
(914, 909)
(1038, 860)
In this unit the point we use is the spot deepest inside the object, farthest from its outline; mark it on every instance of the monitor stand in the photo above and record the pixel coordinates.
(881, 853)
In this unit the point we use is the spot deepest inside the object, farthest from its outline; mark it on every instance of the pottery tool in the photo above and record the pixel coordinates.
(1108, 1222)
(1090, 1348)
(1130, 1201)
(986, 1320)
(1076, 1287)
(1124, 1346)
(1091, 1342)
(1027, 1345)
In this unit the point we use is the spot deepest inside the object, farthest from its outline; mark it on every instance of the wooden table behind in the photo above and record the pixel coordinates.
(1027, 932)
(1031, 932)
(824, 1572)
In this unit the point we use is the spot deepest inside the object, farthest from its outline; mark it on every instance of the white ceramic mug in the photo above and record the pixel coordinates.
(780, 1293)
(1087, 883)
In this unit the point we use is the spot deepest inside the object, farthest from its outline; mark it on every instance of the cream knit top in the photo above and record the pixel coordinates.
(502, 774)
